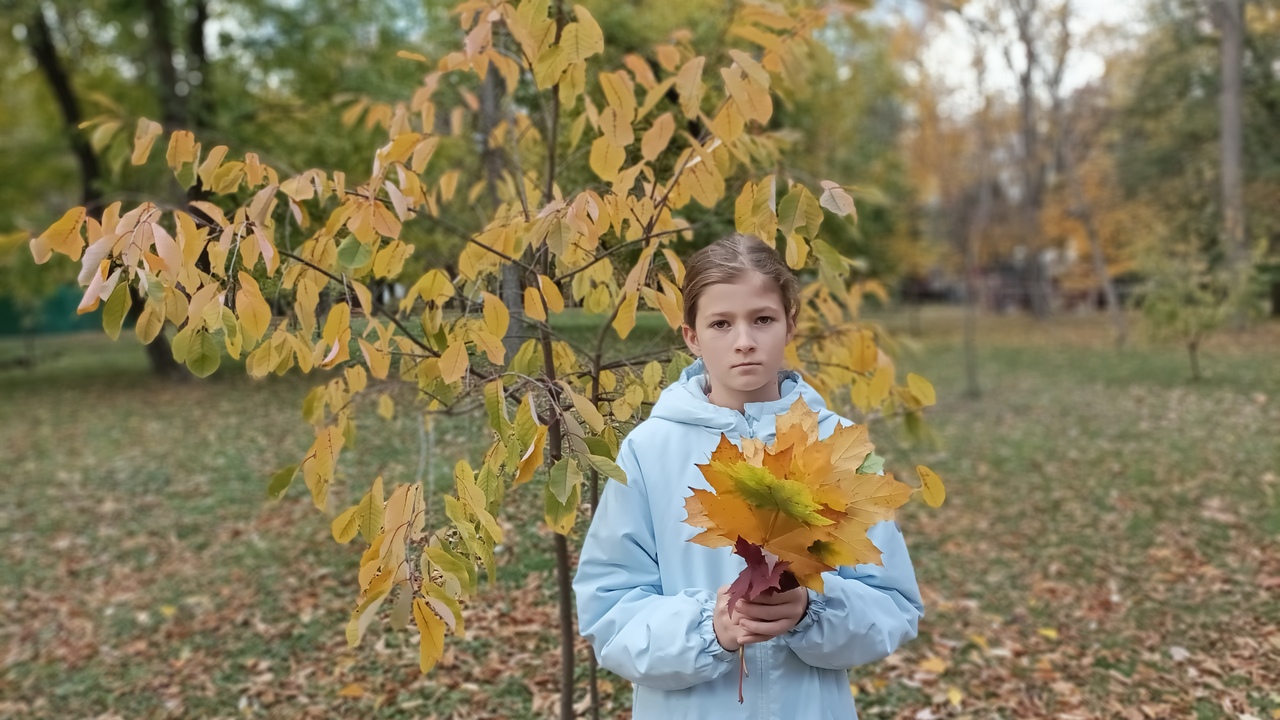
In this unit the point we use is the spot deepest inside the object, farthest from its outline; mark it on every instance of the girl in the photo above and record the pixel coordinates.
(654, 605)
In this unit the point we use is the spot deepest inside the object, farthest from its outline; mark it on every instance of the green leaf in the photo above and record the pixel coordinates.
(187, 175)
(763, 489)
(495, 404)
(281, 482)
(181, 341)
(606, 467)
(565, 479)
(203, 355)
(679, 361)
(872, 465)
(600, 446)
(117, 307)
(354, 254)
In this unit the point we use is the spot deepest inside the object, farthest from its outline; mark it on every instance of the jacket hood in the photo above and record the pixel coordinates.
(685, 401)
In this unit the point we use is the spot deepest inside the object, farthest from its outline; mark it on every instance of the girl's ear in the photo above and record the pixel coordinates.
(791, 329)
(691, 340)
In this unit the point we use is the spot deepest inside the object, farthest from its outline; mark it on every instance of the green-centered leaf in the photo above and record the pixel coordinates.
(203, 354)
(763, 489)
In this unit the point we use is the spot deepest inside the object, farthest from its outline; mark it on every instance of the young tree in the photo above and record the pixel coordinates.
(597, 172)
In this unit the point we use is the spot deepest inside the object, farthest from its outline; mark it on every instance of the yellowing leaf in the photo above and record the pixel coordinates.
(657, 137)
(369, 513)
(689, 86)
(932, 488)
(555, 300)
(586, 409)
(533, 306)
(431, 644)
(255, 313)
(616, 129)
(837, 200)
(182, 149)
(143, 138)
(63, 236)
(346, 526)
(150, 323)
(606, 159)
(750, 96)
(496, 316)
(386, 407)
(1049, 632)
(353, 690)
(626, 317)
(922, 389)
(532, 457)
(454, 362)
(935, 665)
(954, 696)
(363, 615)
(318, 467)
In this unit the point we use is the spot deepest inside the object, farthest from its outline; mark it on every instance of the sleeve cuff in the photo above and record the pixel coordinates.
(707, 631)
(817, 603)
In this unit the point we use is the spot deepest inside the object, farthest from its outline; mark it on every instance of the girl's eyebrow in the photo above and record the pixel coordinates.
(748, 311)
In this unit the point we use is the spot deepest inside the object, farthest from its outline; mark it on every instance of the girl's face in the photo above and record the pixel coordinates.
(740, 333)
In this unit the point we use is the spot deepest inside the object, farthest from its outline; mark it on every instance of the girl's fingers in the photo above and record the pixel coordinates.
(779, 598)
(756, 611)
(767, 629)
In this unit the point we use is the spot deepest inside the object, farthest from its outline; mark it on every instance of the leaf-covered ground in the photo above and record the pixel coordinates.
(1110, 547)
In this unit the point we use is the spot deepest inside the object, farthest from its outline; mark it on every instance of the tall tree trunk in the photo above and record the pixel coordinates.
(201, 97)
(172, 107)
(510, 286)
(50, 63)
(1231, 22)
(40, 39)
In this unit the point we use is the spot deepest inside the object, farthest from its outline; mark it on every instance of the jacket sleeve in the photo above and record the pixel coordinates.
(666, 642)
(865, 612)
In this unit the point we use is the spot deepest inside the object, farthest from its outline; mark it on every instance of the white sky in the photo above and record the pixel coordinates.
(950, 54)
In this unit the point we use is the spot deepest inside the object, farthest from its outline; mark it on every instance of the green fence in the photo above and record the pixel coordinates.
(57, 314)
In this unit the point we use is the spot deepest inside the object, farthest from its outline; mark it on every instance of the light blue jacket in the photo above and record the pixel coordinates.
(645, 595)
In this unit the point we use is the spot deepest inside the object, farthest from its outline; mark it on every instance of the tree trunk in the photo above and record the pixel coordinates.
(172, 110)
(50, 64)
(1231, 22)
(1193, 354)
(201, 97)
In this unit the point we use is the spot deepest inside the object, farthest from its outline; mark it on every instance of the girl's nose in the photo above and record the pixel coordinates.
(745, 340)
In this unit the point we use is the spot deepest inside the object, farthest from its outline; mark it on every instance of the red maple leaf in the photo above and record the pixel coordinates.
(764, 573)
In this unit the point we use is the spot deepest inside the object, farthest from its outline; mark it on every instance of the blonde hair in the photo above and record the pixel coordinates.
(727, 260)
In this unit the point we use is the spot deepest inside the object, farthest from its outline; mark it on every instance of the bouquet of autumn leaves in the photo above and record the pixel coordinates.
(799, 507)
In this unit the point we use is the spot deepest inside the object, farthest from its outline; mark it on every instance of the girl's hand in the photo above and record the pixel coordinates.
(728, 632)
(770, 615)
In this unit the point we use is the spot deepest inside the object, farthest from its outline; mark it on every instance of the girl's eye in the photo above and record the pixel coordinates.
(764, 319)
(719, 324)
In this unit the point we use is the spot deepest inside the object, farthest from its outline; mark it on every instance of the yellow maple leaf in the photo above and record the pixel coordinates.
(800, 500)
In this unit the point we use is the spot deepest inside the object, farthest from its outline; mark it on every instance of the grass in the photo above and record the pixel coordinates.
(1110, 544)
